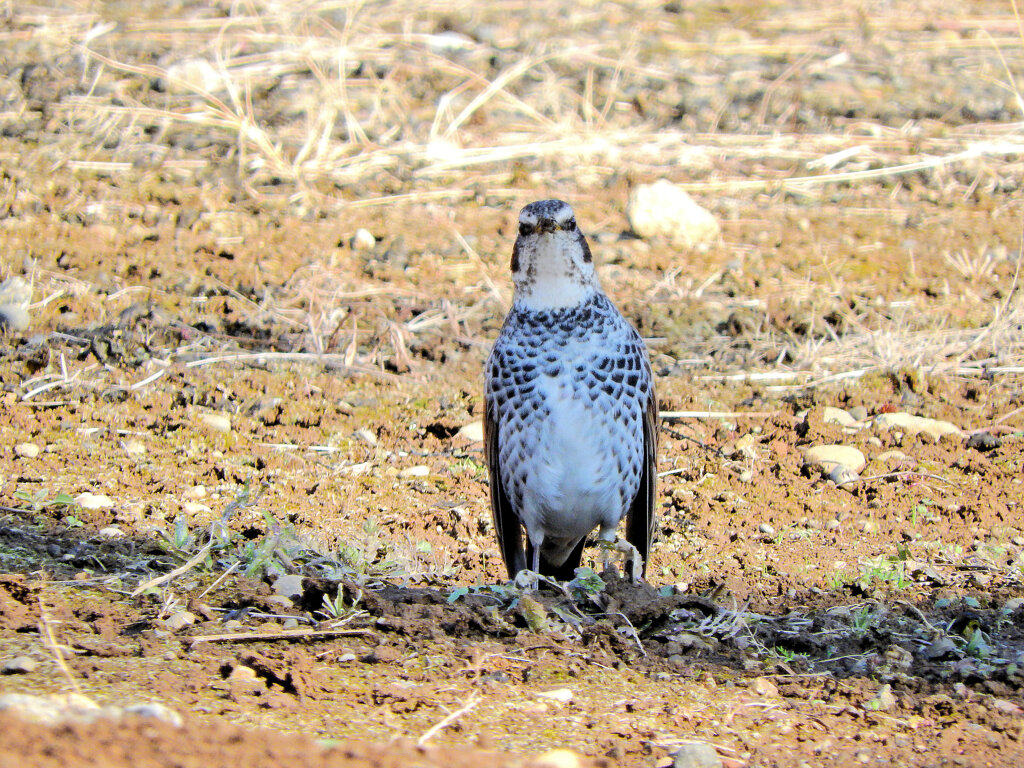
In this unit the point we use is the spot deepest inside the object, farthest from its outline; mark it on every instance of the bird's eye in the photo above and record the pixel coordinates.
(525, 229)
(570, 225)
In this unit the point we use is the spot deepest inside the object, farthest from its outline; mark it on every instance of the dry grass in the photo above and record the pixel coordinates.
(331, 106)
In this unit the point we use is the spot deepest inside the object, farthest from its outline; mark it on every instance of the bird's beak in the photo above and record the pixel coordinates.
(546, 225)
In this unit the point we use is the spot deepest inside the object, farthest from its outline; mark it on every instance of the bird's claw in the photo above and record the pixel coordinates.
(527, 580)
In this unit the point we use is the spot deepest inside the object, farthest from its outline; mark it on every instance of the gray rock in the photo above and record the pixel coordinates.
(180, 620)
(697, 755)
(983, 441)
(289, 586)
(19, 665)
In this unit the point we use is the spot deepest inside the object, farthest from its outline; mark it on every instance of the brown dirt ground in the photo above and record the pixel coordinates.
(788, 621)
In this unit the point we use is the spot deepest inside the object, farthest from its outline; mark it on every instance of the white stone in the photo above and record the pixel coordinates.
(888, 456)
(913, 425)
(196, 492)
(557, 758)
(473, 431)
(663, 209)
(111, 532)
(180, 620)
(19, 665)
(15, 296)
(134, 447)
(55, 708)
(826, 457)
(194, 75)
(195, 508)
(218, 422)
(564, 695)
(89, 500)
(420, 470)
(26, 450)
(155, 711)
(838, 416)
(363, 240)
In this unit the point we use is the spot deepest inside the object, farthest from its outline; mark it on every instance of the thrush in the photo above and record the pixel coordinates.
(570, 429)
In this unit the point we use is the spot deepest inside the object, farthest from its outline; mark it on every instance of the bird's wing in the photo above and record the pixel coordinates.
(506, 522)
(642, 521)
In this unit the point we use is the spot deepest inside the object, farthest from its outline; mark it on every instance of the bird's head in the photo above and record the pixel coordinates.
(551, 262)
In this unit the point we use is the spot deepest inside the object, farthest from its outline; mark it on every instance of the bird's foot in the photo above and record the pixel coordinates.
(527, 580)
(633, 563)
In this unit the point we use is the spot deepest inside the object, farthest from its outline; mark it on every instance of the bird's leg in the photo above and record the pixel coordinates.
(528, 579)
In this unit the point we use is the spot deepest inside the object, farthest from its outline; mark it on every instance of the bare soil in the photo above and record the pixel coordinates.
(259, 396)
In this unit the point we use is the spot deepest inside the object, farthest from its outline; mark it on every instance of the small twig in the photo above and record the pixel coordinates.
(46, 630)
(219, 579)
(470, 704)
(192, 563)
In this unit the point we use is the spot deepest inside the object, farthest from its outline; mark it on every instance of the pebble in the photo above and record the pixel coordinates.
(15, 296)
(58, 708)
(196, 492)
(89, 500)
(558, 758)
(26, 450)
(696, 755)
(473, 431)
(420, 470)
(363, 240)
(191, 75)
(826, 457)
(19, 665)
(859, 412)
(884, 700)
(155, 711)
(242, 672)
(766, 529)
(289, 585)
(983, 441)
(563, 695)
(195, 508)
(663, 209)
(179, 620)
(892, 456)
(134, 447)
(111, 532)
(218, 422)
(913, 425)
(366, 436)
(841, 475)
(838, 416)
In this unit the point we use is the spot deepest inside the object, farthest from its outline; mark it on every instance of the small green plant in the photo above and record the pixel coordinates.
(885, 570)
(38, 501)
(863, 618)
(787, 655)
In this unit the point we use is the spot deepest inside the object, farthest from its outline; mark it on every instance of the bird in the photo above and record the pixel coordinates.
(570, 422)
